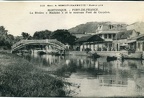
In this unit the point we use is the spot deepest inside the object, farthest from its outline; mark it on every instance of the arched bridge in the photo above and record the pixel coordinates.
(47, 45)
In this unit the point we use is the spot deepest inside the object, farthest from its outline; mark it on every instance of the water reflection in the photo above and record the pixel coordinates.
(96, 78)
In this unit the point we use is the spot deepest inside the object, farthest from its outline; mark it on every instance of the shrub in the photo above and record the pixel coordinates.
(19, 78)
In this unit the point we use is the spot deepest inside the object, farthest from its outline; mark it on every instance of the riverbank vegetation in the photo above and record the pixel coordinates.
(7, 40)
(20, 78)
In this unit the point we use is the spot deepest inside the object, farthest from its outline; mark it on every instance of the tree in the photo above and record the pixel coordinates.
(3, 31)
(9, 41)
(3, 35)
(6, 40)
(42, 34)
(26, 35)
(63, 36)
(17, 39)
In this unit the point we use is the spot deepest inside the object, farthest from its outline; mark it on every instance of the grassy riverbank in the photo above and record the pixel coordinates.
(19, 78)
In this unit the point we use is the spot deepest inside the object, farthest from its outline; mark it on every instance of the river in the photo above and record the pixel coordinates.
(96, 77)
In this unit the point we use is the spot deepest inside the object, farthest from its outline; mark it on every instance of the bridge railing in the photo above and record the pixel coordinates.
(57, 42)
(22, 42)
(16, 44)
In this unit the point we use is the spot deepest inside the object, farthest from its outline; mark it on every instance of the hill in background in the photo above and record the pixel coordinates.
(90, 27)
(138, 26)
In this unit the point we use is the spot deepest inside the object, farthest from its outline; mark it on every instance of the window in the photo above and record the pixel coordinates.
(114, 35)
(105, 36)
(109, 36)
(138, 45)
(110, 26)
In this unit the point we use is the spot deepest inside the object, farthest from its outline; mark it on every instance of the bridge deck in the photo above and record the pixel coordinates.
(46, 41)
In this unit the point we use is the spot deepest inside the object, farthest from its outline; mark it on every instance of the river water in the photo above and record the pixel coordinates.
(96, 77)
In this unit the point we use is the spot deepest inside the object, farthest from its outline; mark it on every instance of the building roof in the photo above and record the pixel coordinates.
(123, 35)
(80, 35)
(137, 37)
(131, 41)
(90, 38)
(108, 32)
(111, 27)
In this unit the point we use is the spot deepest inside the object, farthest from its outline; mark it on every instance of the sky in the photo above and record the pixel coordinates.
(16, 17)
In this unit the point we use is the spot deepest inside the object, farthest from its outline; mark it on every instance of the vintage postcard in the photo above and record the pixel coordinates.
(72, 49)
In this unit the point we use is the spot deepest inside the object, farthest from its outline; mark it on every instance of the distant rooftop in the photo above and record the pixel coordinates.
(124, 34)
(111, 27)
(107, 32)
(137, 37)
(90, 38)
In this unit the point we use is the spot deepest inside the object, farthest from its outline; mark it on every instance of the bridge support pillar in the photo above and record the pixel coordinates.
(32, 51)
(47, 48)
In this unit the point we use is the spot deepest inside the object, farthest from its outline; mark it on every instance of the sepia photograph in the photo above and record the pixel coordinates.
(72, 49)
